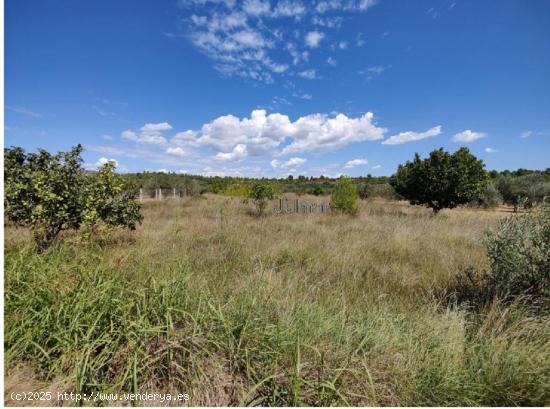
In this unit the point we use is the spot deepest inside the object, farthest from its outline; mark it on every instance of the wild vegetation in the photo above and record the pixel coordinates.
(367, 307)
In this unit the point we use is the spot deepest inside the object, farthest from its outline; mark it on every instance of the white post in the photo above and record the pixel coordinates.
(160, 193)
(174, 191)
(141, 194)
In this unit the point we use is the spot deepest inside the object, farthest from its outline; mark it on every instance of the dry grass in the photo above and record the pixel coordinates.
(284, 310)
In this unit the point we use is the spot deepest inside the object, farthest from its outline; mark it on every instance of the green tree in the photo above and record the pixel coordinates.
(442, 180)
(50, 193)
(108, 199)
(260, 192)
(344, 196)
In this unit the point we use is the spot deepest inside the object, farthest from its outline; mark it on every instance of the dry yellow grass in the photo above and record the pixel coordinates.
(299, 309)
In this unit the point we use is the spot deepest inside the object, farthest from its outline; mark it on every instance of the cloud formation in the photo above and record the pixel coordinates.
(234, 138)
(148, 133)
(468, 136)
(355, 162)
(411, 136)
(243, 38)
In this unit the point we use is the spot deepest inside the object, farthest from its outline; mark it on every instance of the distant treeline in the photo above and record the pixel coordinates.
(519, 187)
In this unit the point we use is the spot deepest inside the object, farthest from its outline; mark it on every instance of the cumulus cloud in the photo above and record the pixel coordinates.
(176, 151)
(318, 132)
(264, 134)
(490, 150)
(290, 164)
(377, 166)
(355, 162)
(313, 38)
(411, 136)
(468, 136)
(148, 133)
(100, 162)
(239, 152)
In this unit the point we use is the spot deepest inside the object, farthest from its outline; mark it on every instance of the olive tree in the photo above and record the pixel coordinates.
(50, 193)
(442, 180)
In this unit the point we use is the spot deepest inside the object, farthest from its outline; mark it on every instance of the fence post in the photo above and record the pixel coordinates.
(141, 194)
(174, 192)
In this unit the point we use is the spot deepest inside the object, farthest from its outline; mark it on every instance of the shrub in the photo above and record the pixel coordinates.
(519, 257)
(260, 192)
(490, 197)
(370, 190)
(237, 189)
(526, 190)
(344, 196)
(318, 190)
(442, 180)
(51, 193)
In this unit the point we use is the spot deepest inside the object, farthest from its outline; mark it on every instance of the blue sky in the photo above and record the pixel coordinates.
(268, 88)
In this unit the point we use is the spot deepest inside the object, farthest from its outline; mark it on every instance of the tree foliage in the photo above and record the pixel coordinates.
(442, 180)
(344, 197)
(50, 193)
(260, 192)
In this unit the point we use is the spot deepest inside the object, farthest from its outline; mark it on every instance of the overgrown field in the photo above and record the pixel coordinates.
(207, 299)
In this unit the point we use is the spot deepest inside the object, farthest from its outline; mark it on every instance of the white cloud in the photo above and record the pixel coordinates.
(490, 150)
(287, 8)
(371, 72)
(243, 38)
(313, 38)
(149, 133)
(239, 152)
(309, 74)
(355, 162)
(185, 138)
(262, 134)
(468, 136)
(176, 151)
(318, 131)
(359, 41)
(292, 163)
(163, 126)
(257, 7)
(302, 96)
(527, 134)
(410, 136)
(24, 111)
(107, 137)
(100, 162)
(331, 61)
(377, 166)
(163, 171)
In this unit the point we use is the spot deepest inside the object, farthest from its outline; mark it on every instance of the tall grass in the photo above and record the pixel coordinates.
(285, 310)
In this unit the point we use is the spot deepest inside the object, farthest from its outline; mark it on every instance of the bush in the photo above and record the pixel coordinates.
(51, 193)
(519, 257)
(344, 197)
(318, 190)
(526, 190)
(490, 197)
(370, 190)
(260, 192)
